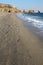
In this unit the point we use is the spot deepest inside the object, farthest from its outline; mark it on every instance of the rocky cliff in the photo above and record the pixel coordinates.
(7, 7)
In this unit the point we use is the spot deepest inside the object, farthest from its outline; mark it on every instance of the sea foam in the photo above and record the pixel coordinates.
(35, 22)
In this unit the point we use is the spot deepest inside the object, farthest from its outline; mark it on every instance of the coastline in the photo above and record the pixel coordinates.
(18, 45)
(35, 30)
(33, 43)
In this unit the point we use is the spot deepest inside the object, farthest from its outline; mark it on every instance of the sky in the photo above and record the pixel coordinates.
(26, 4)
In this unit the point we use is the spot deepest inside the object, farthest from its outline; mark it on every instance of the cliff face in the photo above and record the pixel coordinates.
(7, 7)
(31, 11)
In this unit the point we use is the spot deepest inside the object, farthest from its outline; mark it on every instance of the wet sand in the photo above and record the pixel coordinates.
(36, 31)
(18, 45)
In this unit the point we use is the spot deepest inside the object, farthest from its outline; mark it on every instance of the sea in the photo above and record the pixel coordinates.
(34, 22)
(35, 19)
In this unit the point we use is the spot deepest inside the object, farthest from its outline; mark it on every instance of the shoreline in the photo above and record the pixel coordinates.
(35, 30)
(18, 45)
(33, 43)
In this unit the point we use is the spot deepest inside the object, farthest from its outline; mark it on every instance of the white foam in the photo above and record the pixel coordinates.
(35, 22)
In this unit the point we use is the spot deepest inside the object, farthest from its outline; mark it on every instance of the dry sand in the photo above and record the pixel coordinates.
(18, 45)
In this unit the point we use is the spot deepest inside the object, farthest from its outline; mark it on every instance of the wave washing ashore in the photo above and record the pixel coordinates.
(33, 21)
(36, 19)
(18, 46)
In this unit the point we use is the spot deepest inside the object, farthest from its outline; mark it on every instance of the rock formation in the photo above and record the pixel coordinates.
(31, 11)
(7, 7)
(38, 11)
(24, 11)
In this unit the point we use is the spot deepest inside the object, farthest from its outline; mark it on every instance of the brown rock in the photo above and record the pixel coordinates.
(7, 7)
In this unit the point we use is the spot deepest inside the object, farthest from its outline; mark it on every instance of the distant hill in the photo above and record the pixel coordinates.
(7, 7)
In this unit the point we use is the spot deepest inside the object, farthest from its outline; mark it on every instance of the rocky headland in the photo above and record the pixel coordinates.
(7, 7)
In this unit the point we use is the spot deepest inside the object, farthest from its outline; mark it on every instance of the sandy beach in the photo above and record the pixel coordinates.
(18, 45)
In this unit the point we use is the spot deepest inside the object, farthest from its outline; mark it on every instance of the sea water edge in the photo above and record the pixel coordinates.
(34, 22)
